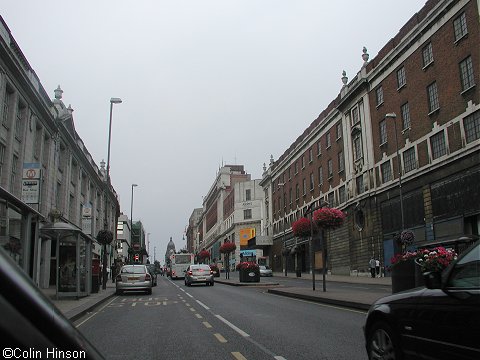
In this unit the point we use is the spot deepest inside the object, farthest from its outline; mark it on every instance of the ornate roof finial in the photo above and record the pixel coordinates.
(344, 78)
(365, 56)
(271, 160)
(69, 109)
(102, 165)
(58, 93)
(264, 167)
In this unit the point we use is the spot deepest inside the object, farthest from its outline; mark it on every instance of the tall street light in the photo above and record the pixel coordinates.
(112, 101)
(131, 217)
(393, 116)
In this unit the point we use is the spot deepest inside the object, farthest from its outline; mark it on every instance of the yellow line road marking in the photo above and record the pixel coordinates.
(198, 316)
(220, 338)
(207, 325)
(238, 355)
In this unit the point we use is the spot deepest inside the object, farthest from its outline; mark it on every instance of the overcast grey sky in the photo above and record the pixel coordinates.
(202, 82)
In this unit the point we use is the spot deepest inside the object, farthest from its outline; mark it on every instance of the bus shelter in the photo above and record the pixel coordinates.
(73, 259)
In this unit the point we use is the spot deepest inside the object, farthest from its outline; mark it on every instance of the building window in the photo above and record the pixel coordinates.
(289, 173)
(405, 109)
(2, 159)
(439, 147)
(433, 103)
(7, 102)
(285, 201)
(320, 176)
(297, 191)
(330, 168)
(303, 161)
(383, 132)
(304, 186)
(19, 121)
(342, 194)
(328, 140)
(319, 148)
(401, 79)
(466, 74)
(339, 131)
(295, 165)
(46, 150)
(331, 199)
(14, 174)
(290, 194)
(359, 183)
(341, 162)
(386, 169)
(409, 160)
(460, 27)
(248, 194)
(472, 127)
(379, 95)
(355, 116)
(310, 155)
(357, 147)
(312, 185)
(247, 214)
(427, 55)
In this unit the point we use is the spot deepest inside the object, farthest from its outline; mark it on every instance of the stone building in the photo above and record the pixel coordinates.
(54, 199)
(397, 149)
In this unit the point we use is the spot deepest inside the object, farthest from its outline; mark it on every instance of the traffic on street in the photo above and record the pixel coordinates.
(221, 322)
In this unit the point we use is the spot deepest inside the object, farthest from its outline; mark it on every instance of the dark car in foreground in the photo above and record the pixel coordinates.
(199, 274)
(441, 321)
(31, 322)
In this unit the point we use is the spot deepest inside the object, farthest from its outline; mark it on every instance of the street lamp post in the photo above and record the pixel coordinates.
(106, 226)
(131, 217)
(112, 101)
(393, 116)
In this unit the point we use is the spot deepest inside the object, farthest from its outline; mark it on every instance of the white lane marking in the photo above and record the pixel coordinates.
(95, 313)
(279, 358)
(199, 316)
(237, 355)
(202, 305)
(225, 321)
(207, 325)
(220, 338)
(189, 295)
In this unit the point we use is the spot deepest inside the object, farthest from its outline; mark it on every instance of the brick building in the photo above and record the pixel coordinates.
(416, 101)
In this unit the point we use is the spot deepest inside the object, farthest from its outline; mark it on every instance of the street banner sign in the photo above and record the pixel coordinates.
(31, 183)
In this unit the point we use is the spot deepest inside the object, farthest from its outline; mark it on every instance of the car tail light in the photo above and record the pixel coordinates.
(173, 272)
(190, 272)
(211, 272)
(148, 277)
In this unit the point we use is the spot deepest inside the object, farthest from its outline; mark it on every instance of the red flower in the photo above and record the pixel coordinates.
(248, 266)
(302, 227)
(329, 218)
(228, 247)
(204, 254)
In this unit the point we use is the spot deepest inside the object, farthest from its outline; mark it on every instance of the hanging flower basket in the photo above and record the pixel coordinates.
(104, 237)
(302, 228)
(405, 238)
(204, 254)
(329, 218)
(228, 247)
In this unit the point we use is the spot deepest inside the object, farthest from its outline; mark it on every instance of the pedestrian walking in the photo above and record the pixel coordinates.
(377, 267)
(372, 264)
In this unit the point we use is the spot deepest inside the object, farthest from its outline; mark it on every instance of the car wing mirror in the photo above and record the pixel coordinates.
(433, 280)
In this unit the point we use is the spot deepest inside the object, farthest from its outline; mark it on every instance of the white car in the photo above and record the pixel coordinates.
(265, 271)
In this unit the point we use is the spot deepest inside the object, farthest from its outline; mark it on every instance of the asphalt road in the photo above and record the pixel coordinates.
(222, 322)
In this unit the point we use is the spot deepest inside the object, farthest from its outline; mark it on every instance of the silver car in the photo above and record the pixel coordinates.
(199, 273)
(265, 271)
(134, 278)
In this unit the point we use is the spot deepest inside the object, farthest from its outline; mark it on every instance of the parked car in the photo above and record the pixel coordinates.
(199, 273)
(441, 321)
(265, 271)
(134, 278)
(153, 273)
(31, 321)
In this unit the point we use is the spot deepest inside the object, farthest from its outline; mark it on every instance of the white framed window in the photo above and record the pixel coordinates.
(319, 148)
(357, 147)
(383, 132)
(401, 78)
(310, 155)
(312, 182)
(433, 103)
(427, 55)
(409, 160)
(328, 140)
(438, 144)
(247, 214)
(405, 110)
(379, 95)
(386, 169)
(466, 74)
(341, 162)
(339, 131)
(460, 27)
(320, 176)
(330, 168)
(471, 124)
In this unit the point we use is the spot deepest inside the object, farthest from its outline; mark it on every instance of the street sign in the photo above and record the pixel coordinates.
(31, 183)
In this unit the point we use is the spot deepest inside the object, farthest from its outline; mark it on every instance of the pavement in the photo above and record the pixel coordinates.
(353, 293)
